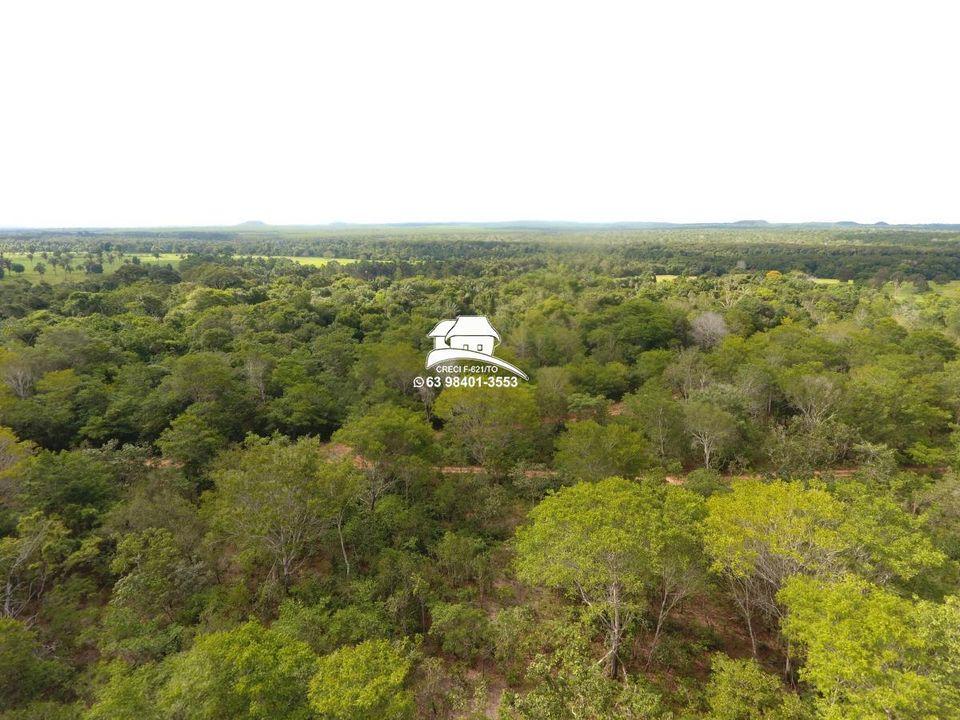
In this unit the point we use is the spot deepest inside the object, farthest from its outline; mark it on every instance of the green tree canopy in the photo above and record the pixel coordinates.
(363, 682)
(871, 654)
(742, 690)
(275, 499)
(25, 673)
(493, 427)
(248, 673)
(595, 541)
(589, 451)
(393, 443)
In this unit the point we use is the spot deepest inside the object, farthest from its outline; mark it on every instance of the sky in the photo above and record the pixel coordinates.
(123, 114)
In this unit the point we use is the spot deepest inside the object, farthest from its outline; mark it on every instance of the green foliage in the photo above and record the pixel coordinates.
(191, 440)
(493, 427)
(393, 442)
(140, 532)
(774, 530)
(275, 499)
(886, 543)
(326, 628)
(124, 635)
(156, 575)
(54, 411)
(517, 637)
(388, 434)
(30, 560)
(363, 682)
(705, 482)
(552, 392)
(624, 331)
(890, 408)
(589, 537)
(741, 690)
(760, 534)
(655, 412)
(588, 451)
(607, 544)
(597, 379)
(76, 485)
(44, 710)
(798, 449)
(567, 685)
(248, 673)
(314, 405)
(12, 450)
(475, 502)
(872, 654)
(461, 558)
(463, 630)
(711, 429)
(126, 692)
(386, 370)
(24, 673)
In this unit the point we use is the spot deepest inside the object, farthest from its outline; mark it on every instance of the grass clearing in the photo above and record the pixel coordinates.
(56, 274)
(948, 289)
(312, 261)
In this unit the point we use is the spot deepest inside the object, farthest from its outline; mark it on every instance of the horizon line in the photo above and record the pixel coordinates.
(532, 223)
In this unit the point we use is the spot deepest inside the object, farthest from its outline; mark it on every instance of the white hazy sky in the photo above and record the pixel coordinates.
(203, 112)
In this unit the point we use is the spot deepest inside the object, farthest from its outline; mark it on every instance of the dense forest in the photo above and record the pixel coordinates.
(841, 252)
(729, 490)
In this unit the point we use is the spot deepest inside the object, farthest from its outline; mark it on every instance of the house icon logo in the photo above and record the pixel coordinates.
(468, 337)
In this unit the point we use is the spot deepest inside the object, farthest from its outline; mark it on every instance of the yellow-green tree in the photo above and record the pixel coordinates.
(363, 682)
(872, 655)
(248, 673)
(611, 544)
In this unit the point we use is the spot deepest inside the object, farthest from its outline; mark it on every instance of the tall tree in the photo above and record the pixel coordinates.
(592, 540)
(248, 673)
(494, 427)
(276, 499)
(589, 451)
(30, 560)
(742, 690)
(363, 682)
(24, 671)
(711, 429)
(762, 533)
(872, 654)
(394, 444)
(654, 411)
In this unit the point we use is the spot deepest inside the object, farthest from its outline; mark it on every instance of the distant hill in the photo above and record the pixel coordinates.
(501, 225)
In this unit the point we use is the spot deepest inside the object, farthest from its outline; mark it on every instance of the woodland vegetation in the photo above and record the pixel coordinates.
(730, 495)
